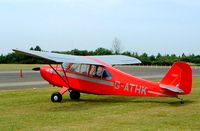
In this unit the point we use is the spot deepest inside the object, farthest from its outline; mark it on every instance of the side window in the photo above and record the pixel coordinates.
(65, 65)
(79, 68)
(75, 68)
(92, 70)
(99, 72)
(84, 69)
(106, 75)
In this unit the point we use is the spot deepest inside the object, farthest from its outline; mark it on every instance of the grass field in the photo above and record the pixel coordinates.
(31, 109)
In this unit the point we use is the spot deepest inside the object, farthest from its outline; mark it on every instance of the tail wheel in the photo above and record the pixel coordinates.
(56, 97)
(75, 95)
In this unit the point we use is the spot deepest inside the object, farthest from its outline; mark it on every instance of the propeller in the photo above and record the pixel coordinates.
(36, 69)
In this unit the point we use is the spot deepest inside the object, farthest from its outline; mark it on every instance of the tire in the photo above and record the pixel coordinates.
(56, 97)
(75, 95)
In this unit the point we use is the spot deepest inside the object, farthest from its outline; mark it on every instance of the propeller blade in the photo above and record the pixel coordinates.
(36, 69)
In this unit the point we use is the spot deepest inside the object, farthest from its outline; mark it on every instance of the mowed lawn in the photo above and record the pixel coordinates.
(31, 109)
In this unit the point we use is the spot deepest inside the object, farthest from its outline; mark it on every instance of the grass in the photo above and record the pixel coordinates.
(31, 109)
(18, 66)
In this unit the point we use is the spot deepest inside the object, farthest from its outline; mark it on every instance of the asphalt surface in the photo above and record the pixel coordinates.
(13, 80)
(31, 79)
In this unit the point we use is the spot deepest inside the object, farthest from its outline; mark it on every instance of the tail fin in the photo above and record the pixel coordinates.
(178, 79)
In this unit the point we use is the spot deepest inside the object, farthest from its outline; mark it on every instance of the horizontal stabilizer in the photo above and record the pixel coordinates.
(172, 88)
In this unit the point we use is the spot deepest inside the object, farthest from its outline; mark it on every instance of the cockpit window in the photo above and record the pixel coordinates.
(106, 75)
(99, 72)
(84, 69)
(79, 68)
(65, 65)
(75, 68)
(91, 70)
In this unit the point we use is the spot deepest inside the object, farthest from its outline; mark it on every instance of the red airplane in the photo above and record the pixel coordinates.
(96, 75)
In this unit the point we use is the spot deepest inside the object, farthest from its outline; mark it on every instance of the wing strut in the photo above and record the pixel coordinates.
(65, 75)
(65, 81)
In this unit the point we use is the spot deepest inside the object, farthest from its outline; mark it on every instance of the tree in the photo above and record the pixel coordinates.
(37, 48)
(31, 48)
(102, 51)
(152, 58)
(127, 53)
(145, 59)
(79, 52)
(116, 46)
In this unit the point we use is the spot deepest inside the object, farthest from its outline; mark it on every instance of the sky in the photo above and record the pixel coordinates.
(151, 26)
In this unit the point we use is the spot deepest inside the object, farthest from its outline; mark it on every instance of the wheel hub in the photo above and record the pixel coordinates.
(55, 98)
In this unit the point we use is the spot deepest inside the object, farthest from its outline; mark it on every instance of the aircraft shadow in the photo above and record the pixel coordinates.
(132, 100)
(85, 104)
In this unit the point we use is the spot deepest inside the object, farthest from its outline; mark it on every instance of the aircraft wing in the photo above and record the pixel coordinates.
(63, 58)
(58, 58)
(118, 59)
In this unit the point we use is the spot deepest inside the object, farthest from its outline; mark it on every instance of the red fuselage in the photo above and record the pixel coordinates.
(118, 83)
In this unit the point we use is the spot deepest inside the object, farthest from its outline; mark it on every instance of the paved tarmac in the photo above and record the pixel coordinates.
(32, 79)
(12, 80)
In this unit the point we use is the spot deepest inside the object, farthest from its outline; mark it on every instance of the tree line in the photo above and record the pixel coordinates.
(145, 58)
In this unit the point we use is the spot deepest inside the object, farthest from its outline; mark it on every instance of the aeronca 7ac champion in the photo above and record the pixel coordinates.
(96, 75)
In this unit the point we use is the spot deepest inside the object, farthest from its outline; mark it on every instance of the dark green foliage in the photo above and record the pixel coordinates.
(18, 58)
(37, 48)
(127, 53)
(79, 52)
(22, 59)
(145, 58)
(102, 51)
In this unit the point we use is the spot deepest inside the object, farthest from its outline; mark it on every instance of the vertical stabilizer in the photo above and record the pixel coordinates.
(178, 79)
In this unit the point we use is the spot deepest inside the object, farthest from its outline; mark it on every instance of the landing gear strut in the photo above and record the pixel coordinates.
(74, 95)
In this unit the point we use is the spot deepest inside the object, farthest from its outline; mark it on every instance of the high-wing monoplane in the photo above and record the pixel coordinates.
(96, 75)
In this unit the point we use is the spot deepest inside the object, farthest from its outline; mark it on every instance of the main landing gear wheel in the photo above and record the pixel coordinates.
(75, 95)
(56, 97)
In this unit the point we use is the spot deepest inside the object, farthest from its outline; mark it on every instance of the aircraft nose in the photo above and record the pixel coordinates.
(45, 68)
(44, 71)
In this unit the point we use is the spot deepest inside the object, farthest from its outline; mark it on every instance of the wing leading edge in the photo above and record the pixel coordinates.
(63, 58)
